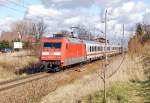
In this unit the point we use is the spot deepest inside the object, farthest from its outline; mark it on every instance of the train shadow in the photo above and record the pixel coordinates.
(31, 69)
(37, 67)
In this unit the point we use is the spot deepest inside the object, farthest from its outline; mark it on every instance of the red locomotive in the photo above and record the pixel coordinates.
(57, 53)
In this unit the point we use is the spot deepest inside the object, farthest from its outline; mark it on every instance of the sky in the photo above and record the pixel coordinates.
(63, 14)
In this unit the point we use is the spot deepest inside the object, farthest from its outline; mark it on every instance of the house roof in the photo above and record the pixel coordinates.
(11, 36)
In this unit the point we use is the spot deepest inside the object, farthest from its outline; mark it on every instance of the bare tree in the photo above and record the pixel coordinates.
(41, 28)
(84, 33)
(65, 33)
(29, 27)
(20, 27)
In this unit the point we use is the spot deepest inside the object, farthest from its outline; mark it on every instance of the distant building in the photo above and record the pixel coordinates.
(9, 36)
(101, 40)
(14, 36)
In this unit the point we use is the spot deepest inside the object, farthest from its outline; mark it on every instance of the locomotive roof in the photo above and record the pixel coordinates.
(75, 40)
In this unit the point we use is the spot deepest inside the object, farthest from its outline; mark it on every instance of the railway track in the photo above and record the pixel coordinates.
(22, 80)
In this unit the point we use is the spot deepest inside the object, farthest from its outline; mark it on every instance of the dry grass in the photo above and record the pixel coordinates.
(122, 92)
(119, 86)
(134, 74)
(32, 93)
(136, 48)
(88, 84)
(79, 85)
(142, 51)
(29, 93)
(10, 62)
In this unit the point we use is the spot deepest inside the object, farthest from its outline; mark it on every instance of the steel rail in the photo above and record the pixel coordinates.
(22, 80)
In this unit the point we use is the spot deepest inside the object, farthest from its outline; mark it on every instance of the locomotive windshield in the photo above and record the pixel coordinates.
(52, 45)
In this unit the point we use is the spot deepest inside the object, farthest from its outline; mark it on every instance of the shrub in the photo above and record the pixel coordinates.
(117, 93)
(4, 44)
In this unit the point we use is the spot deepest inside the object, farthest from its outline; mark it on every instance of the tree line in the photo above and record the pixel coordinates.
(142, 32)
(142, 36)
(32, 28)
(39, 28)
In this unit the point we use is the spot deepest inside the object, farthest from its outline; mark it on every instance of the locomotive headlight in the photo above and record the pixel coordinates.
(57, 53)
(45, 53)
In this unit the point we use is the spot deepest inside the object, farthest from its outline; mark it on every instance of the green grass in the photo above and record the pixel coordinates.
(133, 92)
(141, 92)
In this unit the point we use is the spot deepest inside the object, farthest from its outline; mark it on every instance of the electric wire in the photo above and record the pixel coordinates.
(119, 66)
(23, 6)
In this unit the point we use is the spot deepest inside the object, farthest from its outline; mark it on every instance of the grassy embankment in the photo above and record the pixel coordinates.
(131, 92)
(10, 62)
(137, 88)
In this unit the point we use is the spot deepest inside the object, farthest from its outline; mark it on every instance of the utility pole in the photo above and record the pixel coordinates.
(123, 41)
(105, 56)
(72, 32)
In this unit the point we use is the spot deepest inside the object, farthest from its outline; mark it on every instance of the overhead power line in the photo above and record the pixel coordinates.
(17, 4)
(23, 6)
(11, 8)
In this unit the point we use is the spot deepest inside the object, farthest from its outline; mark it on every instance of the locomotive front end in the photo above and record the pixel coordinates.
(51, 54)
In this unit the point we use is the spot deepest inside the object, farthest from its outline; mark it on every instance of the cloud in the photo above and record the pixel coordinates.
(2, 2)
(110, 3)
(68, 4)
(129, 12)
(40, 10)
(126, 12)
(5, 2)
(146, 18)
(5, 23)
(62, 14)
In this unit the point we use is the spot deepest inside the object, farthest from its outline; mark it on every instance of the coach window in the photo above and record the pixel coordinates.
(100, 48)
(90, 49)
(107, 48)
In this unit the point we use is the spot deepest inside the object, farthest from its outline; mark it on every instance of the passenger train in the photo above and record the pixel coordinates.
(58, 53)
